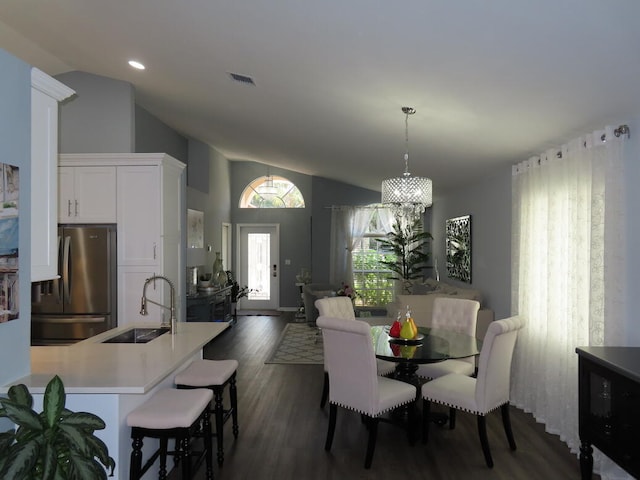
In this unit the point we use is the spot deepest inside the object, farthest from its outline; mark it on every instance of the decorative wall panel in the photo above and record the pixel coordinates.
(459, 248)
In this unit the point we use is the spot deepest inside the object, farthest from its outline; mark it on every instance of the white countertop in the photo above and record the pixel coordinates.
(116, 368)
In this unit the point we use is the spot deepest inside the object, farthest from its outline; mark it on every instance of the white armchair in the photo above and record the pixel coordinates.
(487, 392)
(342, 307)
(355, 383)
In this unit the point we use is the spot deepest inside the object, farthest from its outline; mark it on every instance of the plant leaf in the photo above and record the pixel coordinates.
(75, 438)
(49, 462)
(6, 439)
(80, 467)
(99, 449)
(54, 401)
(84, 420)
(23, 458)
(22, 416)
(20, 394)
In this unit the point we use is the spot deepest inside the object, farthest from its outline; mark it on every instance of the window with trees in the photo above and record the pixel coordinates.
(371, 278)
(271, 191)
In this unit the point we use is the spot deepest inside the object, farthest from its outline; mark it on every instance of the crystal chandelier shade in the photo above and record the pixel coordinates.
(407, 196)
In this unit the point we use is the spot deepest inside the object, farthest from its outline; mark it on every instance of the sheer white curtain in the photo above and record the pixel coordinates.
(348, 223)
(567, 273)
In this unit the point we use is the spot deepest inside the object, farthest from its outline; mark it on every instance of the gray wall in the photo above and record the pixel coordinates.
(295, 238)
(154, 136)
(15, 148)
(488, 201)
(100, 119)
(212, 170)
(198, 165)
(304, 233)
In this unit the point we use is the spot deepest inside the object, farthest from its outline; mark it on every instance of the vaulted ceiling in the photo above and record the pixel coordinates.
(493, 82)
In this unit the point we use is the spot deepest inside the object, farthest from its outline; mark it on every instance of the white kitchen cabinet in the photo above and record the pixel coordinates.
(87, 194)
(139, 215)
(130, 283)
(150, 195)
(46, 92)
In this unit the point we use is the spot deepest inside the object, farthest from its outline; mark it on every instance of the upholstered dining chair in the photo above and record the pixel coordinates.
(459, 315)
(342, 307)
(485, 393)
(355, 383)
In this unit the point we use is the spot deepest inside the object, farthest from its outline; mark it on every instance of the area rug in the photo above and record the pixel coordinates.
(298, 344)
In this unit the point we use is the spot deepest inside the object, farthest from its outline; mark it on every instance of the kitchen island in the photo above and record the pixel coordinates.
(111, 379)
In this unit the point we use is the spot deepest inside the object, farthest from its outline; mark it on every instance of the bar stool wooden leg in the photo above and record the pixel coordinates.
(219, 414)
(208, 445)
(185, 457)
(136, 458)
(164, 444)
(233, 392)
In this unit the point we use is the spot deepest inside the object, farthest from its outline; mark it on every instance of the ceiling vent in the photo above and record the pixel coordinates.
(242, 78)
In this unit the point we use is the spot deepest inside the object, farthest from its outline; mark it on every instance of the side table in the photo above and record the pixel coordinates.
(212, 306)
(609, 412)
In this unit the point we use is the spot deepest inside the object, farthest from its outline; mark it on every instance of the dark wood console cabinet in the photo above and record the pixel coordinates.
(609, 406)
(210, 307)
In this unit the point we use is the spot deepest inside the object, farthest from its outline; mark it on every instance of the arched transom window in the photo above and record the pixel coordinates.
(271, 191)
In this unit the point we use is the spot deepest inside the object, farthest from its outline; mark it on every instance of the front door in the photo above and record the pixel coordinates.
(258, 266)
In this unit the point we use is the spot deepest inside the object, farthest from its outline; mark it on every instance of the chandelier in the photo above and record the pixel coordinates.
(407, 196)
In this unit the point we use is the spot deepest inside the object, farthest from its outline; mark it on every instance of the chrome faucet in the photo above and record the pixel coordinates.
(143, 305)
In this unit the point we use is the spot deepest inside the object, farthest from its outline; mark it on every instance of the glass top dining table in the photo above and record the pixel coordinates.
(436, 345)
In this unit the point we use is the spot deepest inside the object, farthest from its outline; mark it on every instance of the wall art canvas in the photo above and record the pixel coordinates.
(9, 284)
(195, 228)
(459, 248)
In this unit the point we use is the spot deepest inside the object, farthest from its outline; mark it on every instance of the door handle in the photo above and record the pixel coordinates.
(275, 270)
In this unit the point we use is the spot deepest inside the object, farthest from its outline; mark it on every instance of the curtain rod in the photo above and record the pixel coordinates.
(621, 130)
(352, 206)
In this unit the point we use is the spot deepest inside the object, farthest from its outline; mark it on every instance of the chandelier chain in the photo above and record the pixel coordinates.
(406, 139)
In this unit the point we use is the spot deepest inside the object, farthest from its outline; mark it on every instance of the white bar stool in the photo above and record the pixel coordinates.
(171, 414)
(214, 375)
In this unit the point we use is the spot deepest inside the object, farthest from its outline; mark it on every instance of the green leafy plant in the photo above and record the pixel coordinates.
(407, 242)
(55, 444)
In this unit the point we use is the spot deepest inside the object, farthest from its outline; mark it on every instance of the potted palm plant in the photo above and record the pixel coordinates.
(407, 242)
(55, 444)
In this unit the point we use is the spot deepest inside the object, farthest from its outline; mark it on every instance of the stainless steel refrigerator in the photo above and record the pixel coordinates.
(83, 301)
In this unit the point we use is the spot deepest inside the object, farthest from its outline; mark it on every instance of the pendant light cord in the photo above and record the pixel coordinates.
(407, 111)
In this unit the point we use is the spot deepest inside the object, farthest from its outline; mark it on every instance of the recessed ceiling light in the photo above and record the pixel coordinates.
(136, 64)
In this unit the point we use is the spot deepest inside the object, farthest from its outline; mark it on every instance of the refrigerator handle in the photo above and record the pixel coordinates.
(56, 283)
(66, 270)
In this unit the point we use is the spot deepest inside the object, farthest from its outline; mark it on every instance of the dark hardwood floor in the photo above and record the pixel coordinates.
(282, 429)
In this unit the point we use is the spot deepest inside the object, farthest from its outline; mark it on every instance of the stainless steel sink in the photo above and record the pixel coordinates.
(137, 335)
